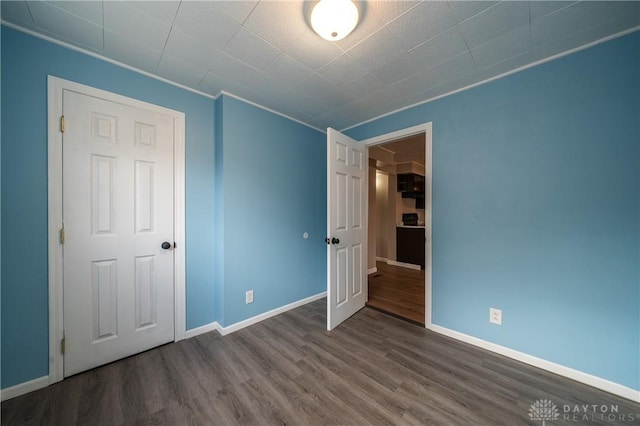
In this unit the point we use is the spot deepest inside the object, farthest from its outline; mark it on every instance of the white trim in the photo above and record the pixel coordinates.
(103, 58)
(231, 95)
(404, 265)
(56, 314)
(254, 320)
(179, 228)
(212, 326)
(26, 387)
(561, 370)
(427, 129)
(372, 270)
(505, 74)
(381, 259)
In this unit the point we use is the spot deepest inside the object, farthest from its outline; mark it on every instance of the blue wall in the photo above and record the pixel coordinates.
(536, 209)
(273, 191)
(26, 61)
(250, 196)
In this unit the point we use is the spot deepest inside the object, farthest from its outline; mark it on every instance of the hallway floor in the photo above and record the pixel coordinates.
(398, 291)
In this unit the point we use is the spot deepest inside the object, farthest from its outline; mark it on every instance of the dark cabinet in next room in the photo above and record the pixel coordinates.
(410, 245)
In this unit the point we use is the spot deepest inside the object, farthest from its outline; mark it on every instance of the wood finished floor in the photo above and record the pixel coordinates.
(288, 370)
(397, 290)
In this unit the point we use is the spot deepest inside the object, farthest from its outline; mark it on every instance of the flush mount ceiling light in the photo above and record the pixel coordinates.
(333, 20)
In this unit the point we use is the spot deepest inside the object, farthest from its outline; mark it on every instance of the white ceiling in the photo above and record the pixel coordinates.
(401, 53)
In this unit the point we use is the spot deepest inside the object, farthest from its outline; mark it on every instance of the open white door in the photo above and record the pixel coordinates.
(347, 165)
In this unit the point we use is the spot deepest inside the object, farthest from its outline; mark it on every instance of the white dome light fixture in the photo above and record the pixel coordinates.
(333, 20)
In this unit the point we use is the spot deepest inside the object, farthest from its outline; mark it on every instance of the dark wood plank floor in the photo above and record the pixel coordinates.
(288, 370)
(398, 291)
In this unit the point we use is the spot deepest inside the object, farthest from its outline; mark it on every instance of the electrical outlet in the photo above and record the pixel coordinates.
(495, 316)
(249, 297)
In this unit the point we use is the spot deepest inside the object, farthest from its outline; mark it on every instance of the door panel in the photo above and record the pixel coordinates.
(118, 204)
(346, 228)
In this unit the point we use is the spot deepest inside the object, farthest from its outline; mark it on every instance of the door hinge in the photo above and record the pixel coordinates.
(63, 345)
(62, 124)
(62, 235)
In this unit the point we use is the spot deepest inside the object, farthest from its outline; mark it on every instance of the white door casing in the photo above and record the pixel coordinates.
(347, 170)
(113, 290)
(425, 128)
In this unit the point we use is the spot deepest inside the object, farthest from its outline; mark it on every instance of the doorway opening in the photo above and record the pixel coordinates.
(398, 227)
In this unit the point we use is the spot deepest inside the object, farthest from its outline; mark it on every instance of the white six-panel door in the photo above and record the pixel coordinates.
(347, 165)
(118, 207)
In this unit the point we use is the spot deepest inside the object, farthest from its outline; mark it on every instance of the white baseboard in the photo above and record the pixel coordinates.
(26, 387)
(381, 259)
(372, 271)
(404, 265)
(561, 370)
(202, 329)
(253, 320)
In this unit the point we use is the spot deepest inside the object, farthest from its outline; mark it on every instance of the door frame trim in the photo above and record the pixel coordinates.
(427, 129)
(55, 88)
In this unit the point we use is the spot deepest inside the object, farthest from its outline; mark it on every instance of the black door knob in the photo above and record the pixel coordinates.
(335, 241)
(166, 245)
(327, 240)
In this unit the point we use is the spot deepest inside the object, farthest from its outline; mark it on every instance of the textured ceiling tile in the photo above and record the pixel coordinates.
(418, 25)
(272, 60)
(232, 69)
(17, 13)
(131, 53)
(89, 10)
(251, 49)
(213, 83)
(238, 10)
(416, 83)
(494, 22)
(314, 86)
(500, 68)
(277, 23)
(343, 70)
(439, 49)
(538, 9)
(566, 21)
(622, 23)
(205, 24)
(573, 40)
(372, 51)
(286, 68)
(135, 25)
(617, 9)
(68, 27)
(312, 50)
(164, 11)
(188, 49)
(461, 10)
(179, 71)
(389, 10)
(456, 68)
(399, 66)
(502, 48)
(362, 86)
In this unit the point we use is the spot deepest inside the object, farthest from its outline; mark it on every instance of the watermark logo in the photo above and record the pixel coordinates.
(543, 410)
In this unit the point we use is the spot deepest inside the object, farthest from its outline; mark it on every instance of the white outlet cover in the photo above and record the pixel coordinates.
(495, 316)
(249, 297)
